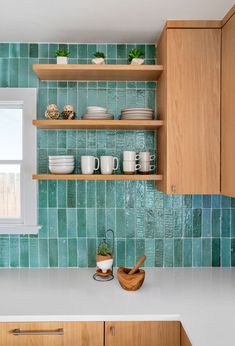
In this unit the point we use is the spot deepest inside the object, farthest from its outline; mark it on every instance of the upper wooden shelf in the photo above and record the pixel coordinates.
(98, 72)
(147, 177)
(98, 124)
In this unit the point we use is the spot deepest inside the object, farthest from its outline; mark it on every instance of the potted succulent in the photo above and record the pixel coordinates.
(104, 259)
(99, 58)
(62, 56)
(135, 57)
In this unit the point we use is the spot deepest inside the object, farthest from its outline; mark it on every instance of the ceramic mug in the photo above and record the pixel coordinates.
(146, 167)
(108, 164)
(146, 156)
(130, 156)
(89, 164)
(129, 167)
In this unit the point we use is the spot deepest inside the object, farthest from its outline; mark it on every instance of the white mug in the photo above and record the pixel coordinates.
(145, 156)
(146, 167)
(130, 156)
(108, 164)
(88, 164)
(129, 167)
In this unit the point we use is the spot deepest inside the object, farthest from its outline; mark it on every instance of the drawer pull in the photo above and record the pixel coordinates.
(18, 332)
(113, 331)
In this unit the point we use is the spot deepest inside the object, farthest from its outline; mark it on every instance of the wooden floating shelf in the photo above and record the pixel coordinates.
(98, 124)
(96, 177)
(88, 72)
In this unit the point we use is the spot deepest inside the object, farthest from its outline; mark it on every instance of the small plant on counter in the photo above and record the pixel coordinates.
(135, 57)
(62, 56)
(99, 58)
(104, 259)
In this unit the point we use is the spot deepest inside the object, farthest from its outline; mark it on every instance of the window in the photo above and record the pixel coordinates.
(18, 192)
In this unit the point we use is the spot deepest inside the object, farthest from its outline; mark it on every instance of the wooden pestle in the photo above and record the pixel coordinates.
(137, 265)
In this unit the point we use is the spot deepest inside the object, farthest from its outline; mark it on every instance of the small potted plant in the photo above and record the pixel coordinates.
(62, 56)
(99, 58)
(135, 57)
(104, 259)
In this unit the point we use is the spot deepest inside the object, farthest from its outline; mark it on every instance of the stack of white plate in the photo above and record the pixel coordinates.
(97, 113)
(137, 114)
(62, 164)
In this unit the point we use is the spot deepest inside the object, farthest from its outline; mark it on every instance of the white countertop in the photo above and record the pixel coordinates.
(202, 299)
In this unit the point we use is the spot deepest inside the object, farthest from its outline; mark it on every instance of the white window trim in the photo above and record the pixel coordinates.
(29, 207)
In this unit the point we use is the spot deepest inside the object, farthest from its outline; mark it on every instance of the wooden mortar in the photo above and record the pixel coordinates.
(130, 282)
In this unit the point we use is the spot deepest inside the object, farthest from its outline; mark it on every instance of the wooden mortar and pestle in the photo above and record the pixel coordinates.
(132, 279)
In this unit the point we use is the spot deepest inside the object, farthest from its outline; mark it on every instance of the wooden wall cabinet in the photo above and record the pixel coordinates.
(228, 108)
(188, 93)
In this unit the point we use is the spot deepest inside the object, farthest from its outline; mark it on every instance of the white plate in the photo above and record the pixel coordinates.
(137, 116)
(61, 157)
(137, 109)
(96, 109)
(62, 164)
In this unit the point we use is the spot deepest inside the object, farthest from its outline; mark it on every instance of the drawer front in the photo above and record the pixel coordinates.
(51, 334)
(142, 333)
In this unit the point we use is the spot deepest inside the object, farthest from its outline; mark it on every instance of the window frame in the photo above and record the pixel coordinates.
(27, 224)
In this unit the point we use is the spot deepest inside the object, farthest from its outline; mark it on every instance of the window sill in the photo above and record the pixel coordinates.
(19, 229)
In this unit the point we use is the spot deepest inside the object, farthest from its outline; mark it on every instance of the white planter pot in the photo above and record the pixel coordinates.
(136, 61)
(61, 60)
(98, 61)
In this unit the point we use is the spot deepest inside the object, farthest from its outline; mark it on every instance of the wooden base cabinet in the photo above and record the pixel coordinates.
(52, 334)
(142, 333)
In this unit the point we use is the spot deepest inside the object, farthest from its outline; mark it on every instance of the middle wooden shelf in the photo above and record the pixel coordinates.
(97, 177)
(98, 124)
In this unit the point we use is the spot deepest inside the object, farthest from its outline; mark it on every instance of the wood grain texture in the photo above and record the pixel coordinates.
(190, 107)
(98, 72)
(184, 339)
(142, 333)
(75, 333)
(228, 15)
(130, 282)
(193, 24)
(228, 109)
(98, 124)
(97, 177)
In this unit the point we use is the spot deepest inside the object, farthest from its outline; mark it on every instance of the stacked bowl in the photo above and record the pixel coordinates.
(97, 113)
(62, 164)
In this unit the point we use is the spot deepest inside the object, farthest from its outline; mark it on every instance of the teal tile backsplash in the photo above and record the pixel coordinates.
(172, 230)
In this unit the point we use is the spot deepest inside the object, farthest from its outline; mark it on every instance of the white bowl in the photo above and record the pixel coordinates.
(61, 169)
(61, 162)
(105, 265)
(61, 157)
(94, 109)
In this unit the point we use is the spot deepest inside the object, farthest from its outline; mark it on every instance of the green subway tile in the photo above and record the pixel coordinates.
(72, 252)
(110, 219)
(81, 139)
(177, 214)
(91, 197)
(150, 195)
(130, 252)
(43, 222)
(81, 222)
(159, 199)
(101, 223)
(187, 201)
(82, 51)
(206, 252)
(33, 50)
(215, 201)
(178, 249)
(187, 252)
(72, 222)
(216, 223)
(168, 222)
(62, 223)
(167, 201)
(91, 49)
(91, 222)
(149, 223)
(4, 50)
(42, 194)
(43, 253)
(62, 193)
(14, 50)
(150, 51)
(120, 223)
(82, 253)
(168, 253)
(24, 50)
(197, 201)
(121, 51)
(43, 50)
(110, 194)
(53, 222)
(91, 247)
(233, 252)
(33, 253)
(52, 139)
(206, 222)
(197, 252)
(63, 253)
(14, 252)
(23, 73)
(13, 72)
(71, 194)
(4, 80)
(232, 223)
(197, 222)
(130, 194)
(232, 202)
(140, 223)
(215, 252)
(120, 194)
(225, 252)
(139, 248)
(121, 253)
(159, 252)
(206, 201)
(52, 193)
(225, 202)
(100, 194)
(71, 139)
(225, 223)
(53, 252)
(150, 252)
(24, 253)
(81, 194)
(130, 223)
(62, 139)
(73, 49)
(159, 224)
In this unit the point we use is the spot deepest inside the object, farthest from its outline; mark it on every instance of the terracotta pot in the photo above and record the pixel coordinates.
(100, 258)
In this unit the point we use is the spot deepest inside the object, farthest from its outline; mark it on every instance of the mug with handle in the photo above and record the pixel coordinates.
(129, 167)
(108, 164)
(146, 167)
(130, 156)
(146, 156)
(89, 164)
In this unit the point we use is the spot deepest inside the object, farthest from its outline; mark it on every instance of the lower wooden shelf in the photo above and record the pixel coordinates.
(97, 177)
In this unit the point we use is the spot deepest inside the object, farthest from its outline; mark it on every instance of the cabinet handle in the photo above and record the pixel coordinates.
(18, 332)
(173, 188)
(113, 331)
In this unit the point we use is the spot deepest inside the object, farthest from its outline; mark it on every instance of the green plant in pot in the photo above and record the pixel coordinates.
(104, 258)
(98, 58)
(135, 57)
(62, 56)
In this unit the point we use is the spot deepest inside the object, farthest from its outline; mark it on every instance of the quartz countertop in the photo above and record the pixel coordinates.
(202, 299)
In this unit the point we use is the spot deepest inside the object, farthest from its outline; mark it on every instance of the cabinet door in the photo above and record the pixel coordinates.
(228, 109)
(190, 107)
(62, 334)
(142, 333)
